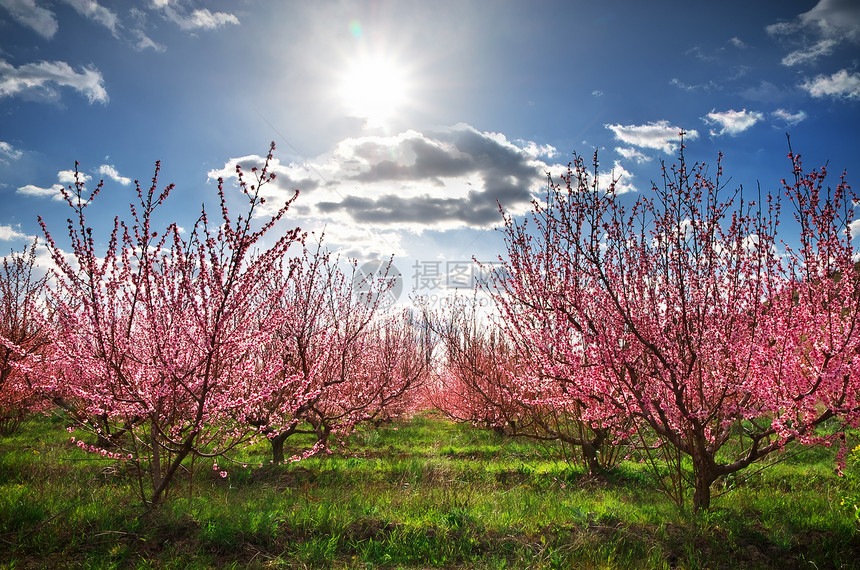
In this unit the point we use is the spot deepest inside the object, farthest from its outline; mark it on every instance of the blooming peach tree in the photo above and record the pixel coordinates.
(489, 377)
(157, 338)
(473, 383)
(22, 336)
(681, 312)
(342, 360)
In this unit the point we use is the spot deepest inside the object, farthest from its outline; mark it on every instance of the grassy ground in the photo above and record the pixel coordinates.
(418, 494)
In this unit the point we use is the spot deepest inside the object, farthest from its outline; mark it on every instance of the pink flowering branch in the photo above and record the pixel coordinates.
(676, 310)
(340, 360)
(23, 339)
(155, 339)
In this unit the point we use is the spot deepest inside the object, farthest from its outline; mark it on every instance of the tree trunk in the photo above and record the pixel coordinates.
(155, 461)
(591, 451)
(277, 443)
(103, 433)
(704, 478)
(323, 433)
(174, 464)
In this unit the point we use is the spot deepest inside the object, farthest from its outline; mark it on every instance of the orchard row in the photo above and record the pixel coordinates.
(677, 324)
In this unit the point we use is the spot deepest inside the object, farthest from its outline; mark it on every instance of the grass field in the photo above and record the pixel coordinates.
(416, 494)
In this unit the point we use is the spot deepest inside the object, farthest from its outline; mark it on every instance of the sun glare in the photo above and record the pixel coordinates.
(374, 89)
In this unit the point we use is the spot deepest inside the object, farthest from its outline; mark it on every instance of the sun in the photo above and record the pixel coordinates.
(374, 88)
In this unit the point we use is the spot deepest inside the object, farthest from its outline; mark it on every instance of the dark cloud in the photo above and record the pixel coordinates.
(446, 178)
(423, 210)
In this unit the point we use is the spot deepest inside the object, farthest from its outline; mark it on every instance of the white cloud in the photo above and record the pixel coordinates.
(854, 229)
(738, 43)
(696, 51)
(197, 19)
(809, 53)
(445, 179)
(206, 20)
(145, 42)
(27, 13)
(8, 233)
(96, 12)
(751, 242)
(658, 135)
(782, 28)
(9, 151)
(683, 230)
(361, 242)
(535, 150)
(678, 83)
(65, 177)
(820, 30)
(733, 122)
(633, 154)
(111, 172)
(788, 117)
(709, 86)
(620, 176)
(68, 177)
(44, 21)
(52, 192)
(839, 85)
(41, 78)
(834, 18)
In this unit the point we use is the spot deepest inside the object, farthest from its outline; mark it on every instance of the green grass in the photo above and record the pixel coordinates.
(416, 494)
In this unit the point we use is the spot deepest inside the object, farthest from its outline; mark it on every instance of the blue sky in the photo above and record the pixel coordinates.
(402, 123)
